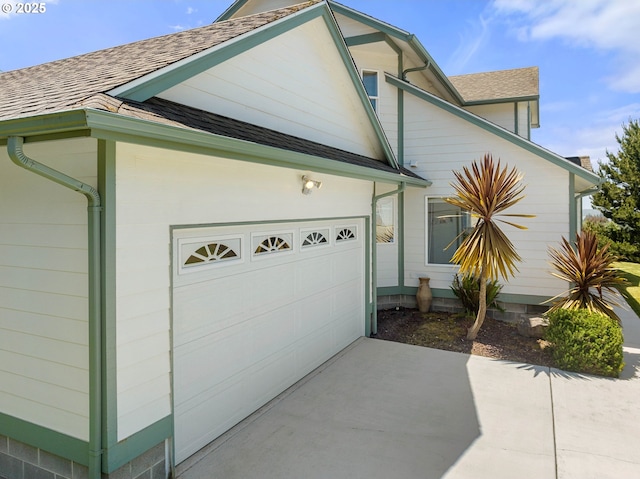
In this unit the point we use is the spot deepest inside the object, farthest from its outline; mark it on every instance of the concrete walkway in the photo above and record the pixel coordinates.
(388, 410)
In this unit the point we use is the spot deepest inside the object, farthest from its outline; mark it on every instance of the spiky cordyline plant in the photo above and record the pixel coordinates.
(486, 191)
(590, 273)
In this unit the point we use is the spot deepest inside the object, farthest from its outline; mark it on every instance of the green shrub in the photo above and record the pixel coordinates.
(618, 238)
(585, 342)
(467, 289)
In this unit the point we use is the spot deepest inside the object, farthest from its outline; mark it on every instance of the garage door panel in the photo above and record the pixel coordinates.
(269, 288)
(210, 361)
(315, 350)
(197, 318)
(246, 331)
(198, 424)
(347, 266)
(348, 297)
(270, 378)
(270, 331)
(314, 275)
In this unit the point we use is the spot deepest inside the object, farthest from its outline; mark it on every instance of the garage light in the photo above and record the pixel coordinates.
(308, 184)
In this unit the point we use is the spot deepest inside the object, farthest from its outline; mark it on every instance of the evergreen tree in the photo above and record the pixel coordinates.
(619, 196)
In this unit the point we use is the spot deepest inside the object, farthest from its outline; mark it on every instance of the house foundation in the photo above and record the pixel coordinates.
(513, 312)
(22, 461)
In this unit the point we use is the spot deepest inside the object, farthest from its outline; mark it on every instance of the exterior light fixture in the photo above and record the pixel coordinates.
(308, 184)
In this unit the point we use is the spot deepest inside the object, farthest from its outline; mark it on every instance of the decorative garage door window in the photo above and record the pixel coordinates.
(345, 233)
(313, 238)
(208, 252)
(272, 243)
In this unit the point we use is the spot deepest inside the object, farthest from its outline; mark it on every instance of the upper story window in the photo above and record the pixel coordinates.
(370, 80)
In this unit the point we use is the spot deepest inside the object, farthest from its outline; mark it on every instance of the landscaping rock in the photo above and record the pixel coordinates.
(532, 326)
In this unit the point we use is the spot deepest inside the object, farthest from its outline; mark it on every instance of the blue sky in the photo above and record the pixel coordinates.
(587, 50)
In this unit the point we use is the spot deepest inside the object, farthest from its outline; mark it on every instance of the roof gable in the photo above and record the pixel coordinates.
(139, 70)
(587, 178)
(296, 73)
(59, 84)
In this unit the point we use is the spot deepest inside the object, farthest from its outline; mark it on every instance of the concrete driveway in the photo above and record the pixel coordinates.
(388, 410)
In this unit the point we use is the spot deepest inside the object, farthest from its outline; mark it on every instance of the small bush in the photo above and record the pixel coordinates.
(585, 342)
(467, 289)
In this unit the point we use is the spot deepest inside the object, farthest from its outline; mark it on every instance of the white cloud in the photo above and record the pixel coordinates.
(471, 40)
(191, 10)
(606, 25)
(177, 28)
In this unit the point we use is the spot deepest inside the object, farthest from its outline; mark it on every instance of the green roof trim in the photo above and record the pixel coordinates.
(395, 32)
(377, 37)
(150, 85)
(111, 126)
(173, 75)
(350, 65)
(496, 130)
(231, 11)
(503, 100)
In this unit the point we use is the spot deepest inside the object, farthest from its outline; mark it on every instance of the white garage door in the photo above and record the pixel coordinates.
(255, 309)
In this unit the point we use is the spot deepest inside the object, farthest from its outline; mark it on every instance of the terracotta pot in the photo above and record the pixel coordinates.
(424, 295)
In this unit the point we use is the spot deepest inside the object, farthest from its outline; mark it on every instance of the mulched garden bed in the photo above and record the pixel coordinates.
(441, 330)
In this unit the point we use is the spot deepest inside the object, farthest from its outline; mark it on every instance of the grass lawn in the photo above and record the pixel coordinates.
(631, 292)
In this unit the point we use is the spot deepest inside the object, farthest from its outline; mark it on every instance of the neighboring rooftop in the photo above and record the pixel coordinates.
(498, 85)
(584, 161)
(57, 85)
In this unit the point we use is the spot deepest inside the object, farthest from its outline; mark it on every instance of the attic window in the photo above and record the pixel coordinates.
(370, 80)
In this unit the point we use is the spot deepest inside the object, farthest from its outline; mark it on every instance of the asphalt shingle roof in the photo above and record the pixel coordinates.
(82, 82)
(584, 161)
(498, 85)
(167, 112)
(59, 84)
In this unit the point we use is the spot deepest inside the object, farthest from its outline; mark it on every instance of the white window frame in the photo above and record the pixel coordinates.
(337, 229)
(449, 266)
(187, 245)
(374, 99)
(258, 237)
(324, 230)
(389, 200)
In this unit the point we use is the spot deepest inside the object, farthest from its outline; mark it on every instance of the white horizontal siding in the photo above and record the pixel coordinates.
(523, 119)
(295, 83)
(157, 189)
(502, 114)
(441, 142)
(43, 289)
(381, 59)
